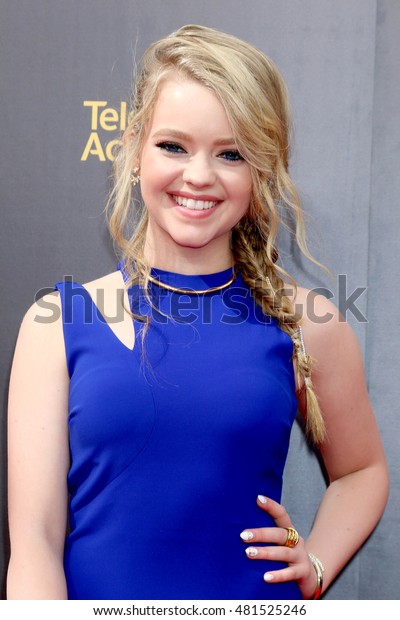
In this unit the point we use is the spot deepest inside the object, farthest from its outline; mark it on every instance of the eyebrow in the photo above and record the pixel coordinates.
(181, 135)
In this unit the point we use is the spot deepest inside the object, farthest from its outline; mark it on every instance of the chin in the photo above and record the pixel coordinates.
(190, 243)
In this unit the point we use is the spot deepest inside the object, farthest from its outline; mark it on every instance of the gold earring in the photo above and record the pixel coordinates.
(135, 176)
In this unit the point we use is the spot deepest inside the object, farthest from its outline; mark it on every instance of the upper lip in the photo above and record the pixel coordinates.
(204, 197)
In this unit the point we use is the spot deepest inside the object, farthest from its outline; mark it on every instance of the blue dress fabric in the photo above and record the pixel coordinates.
(172, 441)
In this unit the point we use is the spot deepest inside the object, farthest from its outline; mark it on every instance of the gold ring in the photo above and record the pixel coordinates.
(292, 537)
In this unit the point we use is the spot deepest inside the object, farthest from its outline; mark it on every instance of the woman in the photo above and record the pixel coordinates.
(166, 430)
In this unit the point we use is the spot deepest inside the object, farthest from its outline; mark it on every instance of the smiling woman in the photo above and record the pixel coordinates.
(165, 437)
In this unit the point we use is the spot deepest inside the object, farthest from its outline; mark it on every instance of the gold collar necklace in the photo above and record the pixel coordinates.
(190, 291)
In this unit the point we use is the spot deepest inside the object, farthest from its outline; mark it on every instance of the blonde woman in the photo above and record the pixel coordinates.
(159, 440)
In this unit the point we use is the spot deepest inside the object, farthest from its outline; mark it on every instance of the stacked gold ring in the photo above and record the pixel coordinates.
(292, 537)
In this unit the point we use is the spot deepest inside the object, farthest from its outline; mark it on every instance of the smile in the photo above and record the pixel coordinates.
(194, 205)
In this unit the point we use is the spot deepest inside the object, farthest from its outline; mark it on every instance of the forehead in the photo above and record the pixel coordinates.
(184, 100)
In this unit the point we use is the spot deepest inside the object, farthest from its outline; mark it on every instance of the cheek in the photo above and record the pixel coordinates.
(152, 177)
(241, 185)
(156, 175)
(243, 191)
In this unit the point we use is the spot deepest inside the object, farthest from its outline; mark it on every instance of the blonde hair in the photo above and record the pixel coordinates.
(255, 100)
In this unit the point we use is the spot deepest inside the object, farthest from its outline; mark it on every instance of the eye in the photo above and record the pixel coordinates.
(231, 156)
(170, 147)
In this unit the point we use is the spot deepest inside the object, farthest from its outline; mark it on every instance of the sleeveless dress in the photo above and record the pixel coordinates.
(172, 441)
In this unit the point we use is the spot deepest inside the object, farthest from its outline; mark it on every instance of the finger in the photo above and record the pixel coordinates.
(276, 554)
(291, 573)
(271, 535)
(276, 510)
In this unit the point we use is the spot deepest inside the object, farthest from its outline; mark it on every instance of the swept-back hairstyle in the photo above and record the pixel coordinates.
(255, 100)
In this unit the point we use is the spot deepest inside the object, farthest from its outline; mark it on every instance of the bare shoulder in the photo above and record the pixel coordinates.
(315, 310)
(42, 328)
(327, 334)
(43, 317)
(42, 322)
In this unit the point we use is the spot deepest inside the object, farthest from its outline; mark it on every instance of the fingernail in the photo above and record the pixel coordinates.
(252, 551)
(262, 499)
(246, 535)
(268, 577)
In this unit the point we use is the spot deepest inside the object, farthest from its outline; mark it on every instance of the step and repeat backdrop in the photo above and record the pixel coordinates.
(67, 69)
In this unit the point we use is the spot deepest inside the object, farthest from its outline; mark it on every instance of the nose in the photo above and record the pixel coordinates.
(199, 171)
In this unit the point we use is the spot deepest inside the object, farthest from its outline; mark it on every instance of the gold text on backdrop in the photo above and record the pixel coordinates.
(106, 119)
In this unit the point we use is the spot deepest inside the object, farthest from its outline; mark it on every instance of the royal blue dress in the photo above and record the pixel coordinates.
(172, 441)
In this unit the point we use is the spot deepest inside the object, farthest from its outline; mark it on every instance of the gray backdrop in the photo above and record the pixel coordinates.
(340, 59)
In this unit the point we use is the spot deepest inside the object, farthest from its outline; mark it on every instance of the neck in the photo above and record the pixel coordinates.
(188, 261)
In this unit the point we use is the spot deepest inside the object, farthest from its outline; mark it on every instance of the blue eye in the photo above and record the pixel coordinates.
(170, 147)
(231, 156)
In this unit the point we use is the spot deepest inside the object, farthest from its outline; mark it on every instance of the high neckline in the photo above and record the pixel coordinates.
(192, 282)
(185, 281)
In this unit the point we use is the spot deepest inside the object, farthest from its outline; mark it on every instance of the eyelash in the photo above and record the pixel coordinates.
(233, 156)
(172, 147)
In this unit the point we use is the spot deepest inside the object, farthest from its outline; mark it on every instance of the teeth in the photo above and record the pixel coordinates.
(195, 205)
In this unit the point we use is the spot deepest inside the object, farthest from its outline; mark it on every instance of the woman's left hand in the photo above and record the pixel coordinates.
(299, 564)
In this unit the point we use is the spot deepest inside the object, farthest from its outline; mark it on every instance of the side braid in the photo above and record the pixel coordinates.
(315, 424)
(261, 274)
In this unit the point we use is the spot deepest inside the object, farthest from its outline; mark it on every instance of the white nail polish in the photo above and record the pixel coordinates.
(252, 551)
(268, 577)
(246, 535)
(262, 499)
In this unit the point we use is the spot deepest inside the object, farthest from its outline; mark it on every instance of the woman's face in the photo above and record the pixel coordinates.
(194, 182)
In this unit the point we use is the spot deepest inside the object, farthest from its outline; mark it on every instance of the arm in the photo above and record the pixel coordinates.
(353, 455)
(38, 460)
